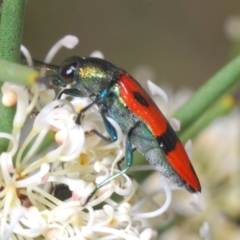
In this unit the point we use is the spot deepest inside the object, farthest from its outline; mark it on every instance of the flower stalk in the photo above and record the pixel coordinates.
(208, 94)
(222, 107)
(10, 40)
(11, 29)
(12, 72)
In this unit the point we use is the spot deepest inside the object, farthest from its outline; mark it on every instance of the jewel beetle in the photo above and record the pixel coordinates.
(120, 97)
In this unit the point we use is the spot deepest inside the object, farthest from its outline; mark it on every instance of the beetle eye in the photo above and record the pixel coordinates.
(67, 72)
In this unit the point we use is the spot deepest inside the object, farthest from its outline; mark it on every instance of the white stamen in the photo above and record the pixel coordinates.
(36, 178)
(72, 148)
(232, 27)
(164, 185)
(125, 209)
(14, 143)
(175, 123)
(34, 99)
(188, 148)
(104, 193)
(126, 190)
(196, 203)
(97, 54)
(204, 231)
(115, 233)
(147, 234)
(27, 55)
(156, 90)
(34, 147)
(15, 215)
(104, 170)
(6, 160)
(69, 41)
(109, 215)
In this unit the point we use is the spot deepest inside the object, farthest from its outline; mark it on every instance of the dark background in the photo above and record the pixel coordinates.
(181, 41)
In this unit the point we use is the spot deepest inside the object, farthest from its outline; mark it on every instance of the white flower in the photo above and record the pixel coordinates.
(48, 177)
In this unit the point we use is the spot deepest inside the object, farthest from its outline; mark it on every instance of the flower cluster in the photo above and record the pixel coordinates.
(52, 167)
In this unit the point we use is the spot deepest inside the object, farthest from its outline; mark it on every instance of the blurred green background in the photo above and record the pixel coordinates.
(181, 43)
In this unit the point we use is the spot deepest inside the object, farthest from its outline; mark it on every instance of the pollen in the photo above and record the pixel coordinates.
(112, 153)
(112, 222)
(131, 202)
(78, 108)
(32, 78)
(83, 159)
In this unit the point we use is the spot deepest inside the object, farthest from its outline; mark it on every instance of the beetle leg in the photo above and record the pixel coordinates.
(111, 130)
(79, 116)
(106, 139)
(128, 157)
(121, 160)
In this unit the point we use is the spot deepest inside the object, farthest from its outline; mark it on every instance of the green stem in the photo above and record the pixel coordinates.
(11, 29)
(220, 108)
(10, 40)
(208, 94)
(16, 73)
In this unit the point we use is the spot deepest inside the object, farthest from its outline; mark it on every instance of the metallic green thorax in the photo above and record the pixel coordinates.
(95, 76)
(90, 72)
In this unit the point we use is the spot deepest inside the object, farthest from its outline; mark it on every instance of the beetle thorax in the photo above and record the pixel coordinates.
(94, 79)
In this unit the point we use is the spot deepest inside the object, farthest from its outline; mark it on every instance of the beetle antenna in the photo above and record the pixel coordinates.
(45, 80)
(38, 65)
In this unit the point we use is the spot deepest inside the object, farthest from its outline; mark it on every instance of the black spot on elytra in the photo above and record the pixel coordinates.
(167, 141)
(140, 99)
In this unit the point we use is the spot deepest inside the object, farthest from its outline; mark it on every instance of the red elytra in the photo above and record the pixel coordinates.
(157, 123)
